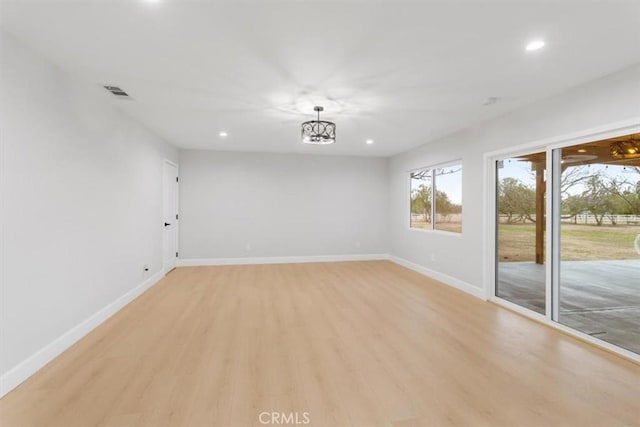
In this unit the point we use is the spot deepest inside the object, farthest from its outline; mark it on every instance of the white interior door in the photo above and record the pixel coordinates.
(170, 216)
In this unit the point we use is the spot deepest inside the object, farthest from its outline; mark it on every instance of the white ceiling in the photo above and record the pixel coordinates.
(401, 73)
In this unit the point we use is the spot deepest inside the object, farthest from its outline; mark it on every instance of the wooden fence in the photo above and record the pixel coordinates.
(582, 219)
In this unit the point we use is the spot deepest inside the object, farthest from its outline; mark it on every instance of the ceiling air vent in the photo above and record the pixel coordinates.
(117, 91)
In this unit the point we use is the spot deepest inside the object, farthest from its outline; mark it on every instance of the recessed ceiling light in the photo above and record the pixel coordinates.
(223, 134)
(535, 45)
(582, 150)
(369, 141)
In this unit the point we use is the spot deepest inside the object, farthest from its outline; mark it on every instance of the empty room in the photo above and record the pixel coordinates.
(315, 212)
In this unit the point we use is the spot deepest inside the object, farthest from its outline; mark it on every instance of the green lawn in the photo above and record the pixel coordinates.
(578, 242)
(455, 227)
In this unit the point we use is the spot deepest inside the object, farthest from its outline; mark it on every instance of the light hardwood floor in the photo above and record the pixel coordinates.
(352, 344)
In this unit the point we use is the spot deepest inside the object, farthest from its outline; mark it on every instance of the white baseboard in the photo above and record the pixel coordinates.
(195, 262)
(441, 277)
(33, 363)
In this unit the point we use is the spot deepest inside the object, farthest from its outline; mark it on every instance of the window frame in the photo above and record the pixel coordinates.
(432, 170)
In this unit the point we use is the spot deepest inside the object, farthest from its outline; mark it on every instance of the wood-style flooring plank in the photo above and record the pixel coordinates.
(350, 344)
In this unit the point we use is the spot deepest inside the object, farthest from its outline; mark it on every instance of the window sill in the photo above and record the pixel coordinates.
(431, 231)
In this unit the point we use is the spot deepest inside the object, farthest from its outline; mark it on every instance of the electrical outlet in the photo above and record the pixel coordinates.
(247, 247)
(145, 268)
(433, 257)
(357, 244)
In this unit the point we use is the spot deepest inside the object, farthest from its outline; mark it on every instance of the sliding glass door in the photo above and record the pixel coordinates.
(592, 272)
(520, 230)
(599, 229)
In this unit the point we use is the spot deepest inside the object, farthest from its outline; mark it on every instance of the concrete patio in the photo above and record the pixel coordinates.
(600, 298)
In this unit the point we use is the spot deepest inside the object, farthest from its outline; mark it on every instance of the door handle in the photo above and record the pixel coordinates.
(166, 224)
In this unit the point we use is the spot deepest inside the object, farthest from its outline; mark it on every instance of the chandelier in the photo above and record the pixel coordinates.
(318, 132)
(625, 149)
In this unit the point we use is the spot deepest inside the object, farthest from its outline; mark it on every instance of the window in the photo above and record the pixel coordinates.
(421, 199)
(440, 209)
(448, 185)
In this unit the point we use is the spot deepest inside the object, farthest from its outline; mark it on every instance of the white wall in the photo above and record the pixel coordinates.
(611, 99)
(235, 205)
(81, 205)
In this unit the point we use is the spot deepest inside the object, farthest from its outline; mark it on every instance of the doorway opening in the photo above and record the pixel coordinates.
(170, 216)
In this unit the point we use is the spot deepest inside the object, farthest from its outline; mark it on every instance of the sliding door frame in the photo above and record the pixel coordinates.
(491, 229)
(552, 245)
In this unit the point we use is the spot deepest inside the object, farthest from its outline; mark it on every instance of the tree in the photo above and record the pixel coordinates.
(572, 206)
(573, 176)
(627, 195)
(597, 198)
(421, 201)
(516, 200)
(444, 206)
